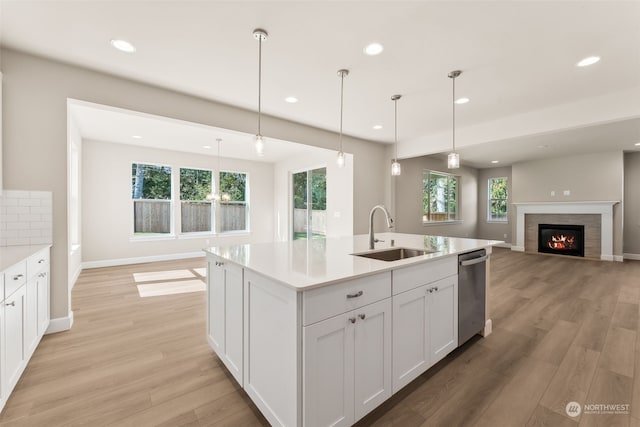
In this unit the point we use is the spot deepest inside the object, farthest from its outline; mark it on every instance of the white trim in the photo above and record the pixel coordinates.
(504, 245)
(603, 208)
(60, 324)
(618, 258)
(632, 256)
(140, 260)
(517, 248)
(75, 276)
(488, 328)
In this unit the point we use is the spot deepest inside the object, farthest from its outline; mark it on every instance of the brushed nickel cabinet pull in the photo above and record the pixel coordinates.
(12, 304)
(18, 276)
(352, 319)
(356, 295)
(362, 316)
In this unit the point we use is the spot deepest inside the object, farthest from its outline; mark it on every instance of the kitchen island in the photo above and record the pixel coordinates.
(318, 334)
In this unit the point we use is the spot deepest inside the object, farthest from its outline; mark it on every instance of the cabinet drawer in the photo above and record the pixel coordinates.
(408, 278)
(37, 262)
(14, 277)
(331, 300)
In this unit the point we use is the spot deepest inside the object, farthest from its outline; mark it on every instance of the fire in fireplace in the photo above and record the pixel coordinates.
(561, 239)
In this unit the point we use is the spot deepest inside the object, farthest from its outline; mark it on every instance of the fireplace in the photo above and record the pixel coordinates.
(561, 239)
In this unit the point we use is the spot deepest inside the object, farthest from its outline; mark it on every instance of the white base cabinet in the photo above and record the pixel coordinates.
(425, 328)
(225, 314)
(24, 317)
(347, 365)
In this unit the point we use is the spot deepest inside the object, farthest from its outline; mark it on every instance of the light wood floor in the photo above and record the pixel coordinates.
(564, 330)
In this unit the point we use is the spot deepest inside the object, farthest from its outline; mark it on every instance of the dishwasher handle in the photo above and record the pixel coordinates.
(473, 261)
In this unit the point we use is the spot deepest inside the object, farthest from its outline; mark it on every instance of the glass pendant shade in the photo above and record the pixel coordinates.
(453, 161)
(340, 159)
(395, 168)
(259, 145)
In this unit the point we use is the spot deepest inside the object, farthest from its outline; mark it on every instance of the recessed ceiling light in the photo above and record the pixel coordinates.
(462, 100)
(373, 49)
(495, 161)
(377, 127)
(123, 45)
(206, 146)
(637, 144)
(589, 60)
(543, 146)
(291, 99)
(136, 137)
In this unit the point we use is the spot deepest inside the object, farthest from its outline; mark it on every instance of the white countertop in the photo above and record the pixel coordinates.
(11, 255)
(305, 264)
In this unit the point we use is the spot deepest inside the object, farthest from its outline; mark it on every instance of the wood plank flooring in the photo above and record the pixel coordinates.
(565, 330)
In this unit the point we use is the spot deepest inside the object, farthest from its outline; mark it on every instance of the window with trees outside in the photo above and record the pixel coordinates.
(497, 205)
(196, 211)
(439, 197)
(151, 194)
(234, 209)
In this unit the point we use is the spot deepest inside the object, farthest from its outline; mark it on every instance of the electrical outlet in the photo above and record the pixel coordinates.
(337, 214)
(505, 236)
(567, 192)
(553, 193)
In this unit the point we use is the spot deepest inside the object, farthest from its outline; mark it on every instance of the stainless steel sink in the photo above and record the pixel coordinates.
(394, 254)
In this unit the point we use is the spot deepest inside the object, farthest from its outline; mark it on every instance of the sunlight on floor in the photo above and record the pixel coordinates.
(163, 275)
(171, 288)
(201, 271)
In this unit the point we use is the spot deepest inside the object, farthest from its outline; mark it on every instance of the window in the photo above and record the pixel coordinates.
(439, 196)
(196, 211)
(151, 194)
(234, 209)
(497, 206)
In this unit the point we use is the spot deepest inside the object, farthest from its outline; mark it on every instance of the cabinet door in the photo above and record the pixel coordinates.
(372, 356)
(14, 337)
(216, 300)
(234, 314)
(31, 317)
(43, 302)
(328, 371)
(411, 348)
(443, 317)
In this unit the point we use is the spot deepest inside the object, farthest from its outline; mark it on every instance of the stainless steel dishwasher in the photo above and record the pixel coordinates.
(471, 294)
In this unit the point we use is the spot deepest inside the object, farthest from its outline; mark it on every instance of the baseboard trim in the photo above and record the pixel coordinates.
(632, 256)
(60, 324)
(618, 258)
(140, 260)
(504, 245)
(517, 248)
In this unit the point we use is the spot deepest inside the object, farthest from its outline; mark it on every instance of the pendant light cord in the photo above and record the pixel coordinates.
(453, 103)
(341, 104)
(259, 83)
(395, 119)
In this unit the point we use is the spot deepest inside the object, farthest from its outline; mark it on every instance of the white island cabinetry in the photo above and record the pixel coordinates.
(326, 336)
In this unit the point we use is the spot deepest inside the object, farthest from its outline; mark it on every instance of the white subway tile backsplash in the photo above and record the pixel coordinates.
(43, 210)
(26, 218)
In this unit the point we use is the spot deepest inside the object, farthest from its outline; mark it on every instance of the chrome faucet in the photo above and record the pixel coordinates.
(372, 239)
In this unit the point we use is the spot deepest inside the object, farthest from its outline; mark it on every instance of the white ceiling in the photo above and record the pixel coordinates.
(108, 124)
(516, 56)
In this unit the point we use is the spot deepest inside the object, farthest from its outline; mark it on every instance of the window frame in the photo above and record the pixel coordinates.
(154, 236)
(210, 202)
(490, 199)
(247, 227)
(426, 173)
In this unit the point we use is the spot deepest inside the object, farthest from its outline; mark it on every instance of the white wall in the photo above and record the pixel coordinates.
(339, 191)
(107, 220)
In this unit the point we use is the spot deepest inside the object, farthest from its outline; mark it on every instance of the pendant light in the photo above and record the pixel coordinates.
(395, 166)
(342, 74)
(453, 160)
(260, 35)
(215, 196)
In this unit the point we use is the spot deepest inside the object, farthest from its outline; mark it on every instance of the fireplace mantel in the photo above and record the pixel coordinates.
(603, 208)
